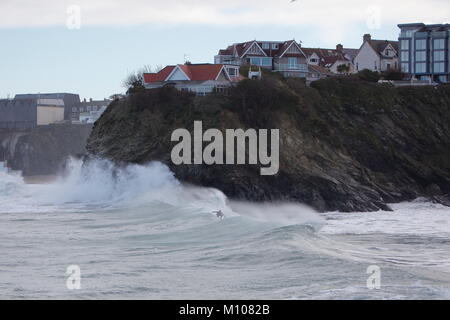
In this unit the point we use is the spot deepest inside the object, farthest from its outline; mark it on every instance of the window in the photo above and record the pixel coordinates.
(404, 44)
(88, 108)
(274, 45)
(292, 62)
(313, 60)
(421, 44)
(443, 78)
(439, 67)
(264, 62)
(375, 63)
(388, 52)
(421, 56)
(421, 67)
(74, 109)
(438, 56)
(405, 56)
(357, 66)
(438, 44)
(232, 72)
(266, 45)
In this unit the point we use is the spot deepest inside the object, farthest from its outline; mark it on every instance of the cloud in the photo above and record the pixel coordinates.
(326, 14)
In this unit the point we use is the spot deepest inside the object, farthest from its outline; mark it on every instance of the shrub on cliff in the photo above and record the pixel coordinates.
(368, 75)
(256, 100)
(393, 75)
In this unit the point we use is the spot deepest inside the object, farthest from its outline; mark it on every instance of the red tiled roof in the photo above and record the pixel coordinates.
(201, 72)
(242, 47)
(195, 72)
(159, 76)
(226, 52)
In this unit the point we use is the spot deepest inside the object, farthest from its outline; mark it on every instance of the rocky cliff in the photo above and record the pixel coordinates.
(345, 144)
(44, 150)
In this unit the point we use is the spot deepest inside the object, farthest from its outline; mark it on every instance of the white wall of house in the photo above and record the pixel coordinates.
(367, 58)
(314, 59)
(47, 115)
(202, 88)
(177, 75)
(389, 64)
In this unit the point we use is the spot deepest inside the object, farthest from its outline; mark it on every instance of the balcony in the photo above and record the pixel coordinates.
(439, 34)
(291, 67)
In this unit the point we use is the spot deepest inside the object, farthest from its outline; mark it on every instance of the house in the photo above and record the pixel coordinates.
(317, 72)
(424, 51)
(331, 58)
(286, 57)
(89, 111)
(377, 55)
(29, 113)
(198, 78)
(70, 100)
(338, 64)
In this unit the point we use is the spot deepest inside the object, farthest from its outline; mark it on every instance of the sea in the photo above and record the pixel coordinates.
(136, 232)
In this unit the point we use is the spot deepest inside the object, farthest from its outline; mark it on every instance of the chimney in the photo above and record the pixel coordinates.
(90, 100)
(367, 37)
(339, 48)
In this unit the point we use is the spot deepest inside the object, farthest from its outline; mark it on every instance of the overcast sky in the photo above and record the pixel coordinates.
(88, 46)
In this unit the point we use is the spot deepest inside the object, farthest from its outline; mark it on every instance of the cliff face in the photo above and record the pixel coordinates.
(44, 150)
(345, 144)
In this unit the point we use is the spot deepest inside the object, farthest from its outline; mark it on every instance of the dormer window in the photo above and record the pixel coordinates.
(275, 46)
(266, 45)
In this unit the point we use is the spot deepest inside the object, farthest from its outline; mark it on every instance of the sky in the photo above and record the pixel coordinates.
(89, 46)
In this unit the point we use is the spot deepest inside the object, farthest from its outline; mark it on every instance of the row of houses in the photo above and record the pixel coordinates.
(421, 52)
(27, 111)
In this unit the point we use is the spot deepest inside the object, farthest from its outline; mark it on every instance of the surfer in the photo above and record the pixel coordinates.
(219, 214)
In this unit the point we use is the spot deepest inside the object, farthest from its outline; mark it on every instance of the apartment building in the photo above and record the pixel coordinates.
(424, 51)
(286, 57)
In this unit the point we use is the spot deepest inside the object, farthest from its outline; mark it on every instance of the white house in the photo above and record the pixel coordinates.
(377, 55)
(198, 78)
(331, 59)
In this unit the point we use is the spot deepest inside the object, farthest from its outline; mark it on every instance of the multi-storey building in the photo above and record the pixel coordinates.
(424, 51)
(29, 113)
(286, 57)
(70, 100)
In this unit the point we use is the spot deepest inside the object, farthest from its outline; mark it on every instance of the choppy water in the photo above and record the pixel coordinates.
(140, 234)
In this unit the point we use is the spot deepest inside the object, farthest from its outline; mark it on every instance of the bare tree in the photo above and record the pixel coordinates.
(135, 80)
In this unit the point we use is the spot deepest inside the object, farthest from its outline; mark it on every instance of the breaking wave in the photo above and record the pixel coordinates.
(100, 184)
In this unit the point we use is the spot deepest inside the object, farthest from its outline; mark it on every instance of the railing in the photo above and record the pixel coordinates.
(291, 67)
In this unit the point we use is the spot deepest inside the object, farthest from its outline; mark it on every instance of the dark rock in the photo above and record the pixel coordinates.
(43, 150)
(332, 155)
